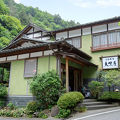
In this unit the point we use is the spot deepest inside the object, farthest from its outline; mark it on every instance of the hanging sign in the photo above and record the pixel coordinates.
(110, 62)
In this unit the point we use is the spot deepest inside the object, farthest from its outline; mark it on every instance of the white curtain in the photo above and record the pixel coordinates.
(96, 41)
(76, 42)
(103, 39)
(112, 38)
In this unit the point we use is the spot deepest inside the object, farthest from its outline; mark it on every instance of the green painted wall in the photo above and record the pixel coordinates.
(20, 85)
(72, 64)
(86, 47)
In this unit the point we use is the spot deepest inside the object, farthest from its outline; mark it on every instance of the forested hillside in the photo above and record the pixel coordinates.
(9, 25)
(34, 15)
(14, 17)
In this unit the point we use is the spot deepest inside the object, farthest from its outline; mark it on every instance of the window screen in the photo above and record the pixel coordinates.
(30, 67)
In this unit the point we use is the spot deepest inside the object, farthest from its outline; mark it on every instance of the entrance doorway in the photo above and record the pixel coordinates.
(75, 78)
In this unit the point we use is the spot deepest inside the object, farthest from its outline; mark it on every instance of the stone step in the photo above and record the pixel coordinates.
(89, 100)
(96, 107)
(94, 103)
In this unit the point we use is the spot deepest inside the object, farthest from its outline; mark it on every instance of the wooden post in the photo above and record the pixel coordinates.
(67, 75)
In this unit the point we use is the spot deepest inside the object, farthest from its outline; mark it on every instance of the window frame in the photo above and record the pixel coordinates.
(36, 67)
(70, 38)
(108, 46)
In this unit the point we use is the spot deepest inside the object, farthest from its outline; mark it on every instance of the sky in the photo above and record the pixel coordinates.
(82, 11)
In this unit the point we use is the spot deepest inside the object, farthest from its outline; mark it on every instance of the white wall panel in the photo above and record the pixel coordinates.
(74, 33)
(12, 57)
(37, 34)
(99, 28)
(23, 56)
(36, 54)
(61, 35)
(48, 52)
(2, 59)
(113, 26)
(86, 31)
(45, 38)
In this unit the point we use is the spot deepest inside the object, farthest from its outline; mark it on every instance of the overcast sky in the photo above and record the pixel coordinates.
(82, 11)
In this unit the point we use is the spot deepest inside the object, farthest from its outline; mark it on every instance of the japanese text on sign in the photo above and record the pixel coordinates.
(110, 62)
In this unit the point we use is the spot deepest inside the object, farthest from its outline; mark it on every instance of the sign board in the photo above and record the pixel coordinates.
(110, 62)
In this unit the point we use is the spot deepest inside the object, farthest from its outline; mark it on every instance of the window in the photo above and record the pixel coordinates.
(30, 67)
(76, 42)
(106, 40)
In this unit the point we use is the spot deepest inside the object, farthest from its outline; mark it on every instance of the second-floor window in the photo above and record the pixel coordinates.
(106, 40)
(76, 42)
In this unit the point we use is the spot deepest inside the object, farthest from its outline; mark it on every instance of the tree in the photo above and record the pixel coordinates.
(47, 88)
(3, 8)
(112, 78)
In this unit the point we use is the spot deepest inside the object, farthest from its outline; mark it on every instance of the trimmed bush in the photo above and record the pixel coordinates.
(32, 107)
(63, 113)
(47, 88)
(110, 96)
(69, 100)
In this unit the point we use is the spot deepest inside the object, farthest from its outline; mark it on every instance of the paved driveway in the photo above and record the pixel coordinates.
(103, 114)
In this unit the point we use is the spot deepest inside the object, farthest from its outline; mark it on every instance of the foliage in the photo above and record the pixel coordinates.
(95, 88)
(42, 115)
(11, 106)
(9, 28)
(43, 19)
(80, 109)
(69, 100)
(3, 91)
(3, 8)
(63, 113)
(12, 113)
(47, 88)
(112, 78)
(2, 103)
(110, 96)
(31, 107)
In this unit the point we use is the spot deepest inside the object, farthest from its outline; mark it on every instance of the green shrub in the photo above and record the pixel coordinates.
(69, 100)
(110, 96)
(63, 113)
(18, 113)
(2, 104)
(47, 88)
(42, 115)
(95, 88)
(11, 106)
(32, 107)
(12, 113)
(80, 109)
(3, 91)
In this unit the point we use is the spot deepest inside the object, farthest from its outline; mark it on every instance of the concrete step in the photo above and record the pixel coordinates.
(96, 107)
(94, 103)
(89, 100)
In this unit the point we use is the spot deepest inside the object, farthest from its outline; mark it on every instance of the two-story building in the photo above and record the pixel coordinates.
(76, 53)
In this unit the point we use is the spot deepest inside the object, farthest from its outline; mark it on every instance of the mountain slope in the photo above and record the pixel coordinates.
(9, 25)
(34, 15)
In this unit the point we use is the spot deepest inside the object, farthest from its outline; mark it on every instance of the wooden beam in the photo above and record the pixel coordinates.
(76, 61)
(67, 75)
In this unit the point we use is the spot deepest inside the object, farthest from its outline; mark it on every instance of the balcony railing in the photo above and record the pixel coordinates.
(105, 47)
